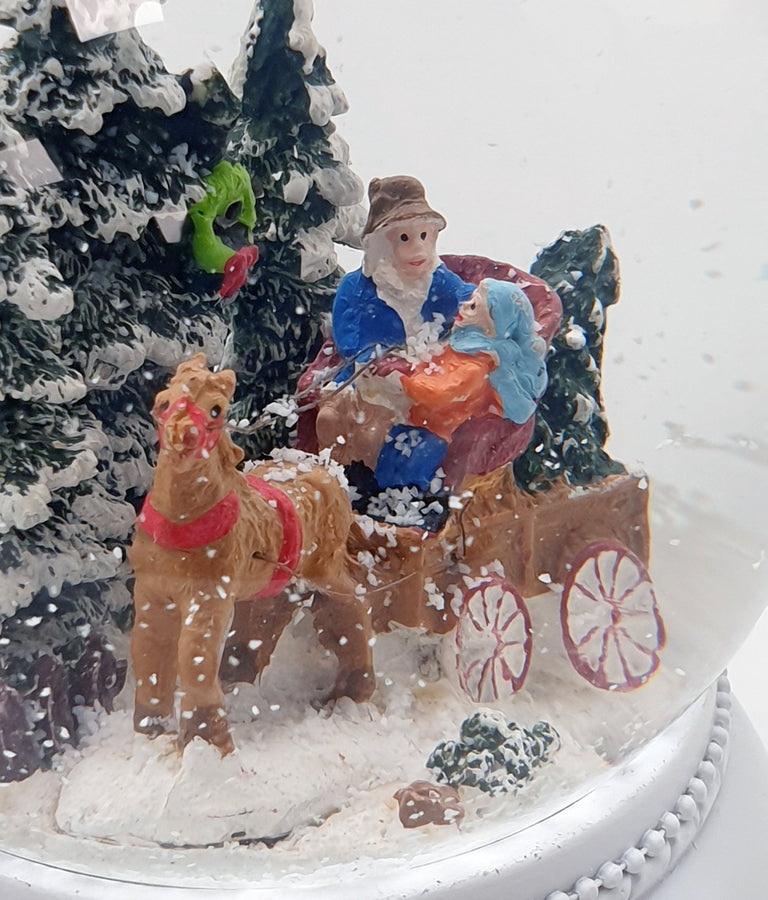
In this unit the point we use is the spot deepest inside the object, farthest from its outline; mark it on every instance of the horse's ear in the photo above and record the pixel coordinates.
(225, 382)
(193, 364)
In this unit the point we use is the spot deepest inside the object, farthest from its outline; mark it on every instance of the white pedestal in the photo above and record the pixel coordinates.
(727, 859)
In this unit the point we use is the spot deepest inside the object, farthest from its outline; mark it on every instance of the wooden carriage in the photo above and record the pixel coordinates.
(501, 546)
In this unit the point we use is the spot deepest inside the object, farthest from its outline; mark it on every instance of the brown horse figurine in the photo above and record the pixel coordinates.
(209, 536)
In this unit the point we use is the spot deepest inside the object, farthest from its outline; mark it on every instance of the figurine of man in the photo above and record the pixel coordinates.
(402, 285)
(398, 306)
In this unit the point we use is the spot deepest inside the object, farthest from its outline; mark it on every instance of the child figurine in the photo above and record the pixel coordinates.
(494, 364)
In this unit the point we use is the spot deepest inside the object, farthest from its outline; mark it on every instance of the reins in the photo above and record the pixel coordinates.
(368, 591)
(210, 432)
(267, 419)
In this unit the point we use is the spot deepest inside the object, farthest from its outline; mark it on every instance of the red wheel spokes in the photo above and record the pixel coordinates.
(606, 589)
(587, 637)
(493, 641)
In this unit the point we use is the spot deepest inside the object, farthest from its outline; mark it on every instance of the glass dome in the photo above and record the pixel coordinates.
(172, 181)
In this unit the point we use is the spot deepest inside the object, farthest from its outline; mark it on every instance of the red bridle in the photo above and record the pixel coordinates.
(208, 429)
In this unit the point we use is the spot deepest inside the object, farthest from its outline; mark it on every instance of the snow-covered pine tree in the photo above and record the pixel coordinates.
(307, 198)
(96, 306)
(571, 425)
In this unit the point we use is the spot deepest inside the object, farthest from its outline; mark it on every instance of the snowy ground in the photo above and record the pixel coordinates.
(323, 781)
(324, 778)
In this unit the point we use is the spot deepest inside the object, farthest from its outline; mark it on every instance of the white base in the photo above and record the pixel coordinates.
(727, 858)
(559, 859)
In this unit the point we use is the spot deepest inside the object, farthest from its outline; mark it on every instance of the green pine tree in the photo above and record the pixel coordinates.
(307, 198)
(98, 303)
(571, 426)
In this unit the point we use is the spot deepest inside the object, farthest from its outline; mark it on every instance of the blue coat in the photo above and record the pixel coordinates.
(361, 321)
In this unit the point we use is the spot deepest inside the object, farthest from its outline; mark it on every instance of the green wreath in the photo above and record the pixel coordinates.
(227, 185)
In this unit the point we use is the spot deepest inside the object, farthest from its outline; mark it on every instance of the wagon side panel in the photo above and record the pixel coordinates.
(616, 508)
(404, 572)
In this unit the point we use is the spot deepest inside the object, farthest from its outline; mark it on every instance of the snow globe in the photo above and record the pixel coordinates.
(383, 493)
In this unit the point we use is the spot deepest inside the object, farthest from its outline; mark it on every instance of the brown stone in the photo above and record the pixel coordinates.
(424, 803)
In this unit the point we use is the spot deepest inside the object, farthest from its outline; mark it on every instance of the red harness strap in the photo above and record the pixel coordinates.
(220, 520)
(293, 537)
(212, 525)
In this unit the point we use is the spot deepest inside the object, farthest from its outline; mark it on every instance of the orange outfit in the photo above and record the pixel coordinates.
(449, 389)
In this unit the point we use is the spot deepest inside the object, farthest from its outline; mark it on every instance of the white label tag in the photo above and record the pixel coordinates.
(95, 18)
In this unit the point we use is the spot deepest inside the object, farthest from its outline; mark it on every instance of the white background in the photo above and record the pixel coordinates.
(748, 672)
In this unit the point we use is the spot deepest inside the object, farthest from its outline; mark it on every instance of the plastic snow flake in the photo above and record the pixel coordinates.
(95, 18)
(285, 408)
(29, 165)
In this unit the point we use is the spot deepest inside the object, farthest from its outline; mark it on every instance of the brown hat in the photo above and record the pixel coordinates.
(396, 199)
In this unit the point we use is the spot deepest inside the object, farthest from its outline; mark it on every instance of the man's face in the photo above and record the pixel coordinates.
(413, 247)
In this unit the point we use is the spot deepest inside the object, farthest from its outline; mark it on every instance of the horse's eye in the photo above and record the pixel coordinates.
(215, 412)
(404, 238)
(423, 235)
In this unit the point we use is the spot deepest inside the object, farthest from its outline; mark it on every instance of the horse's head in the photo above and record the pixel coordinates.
(191, 412)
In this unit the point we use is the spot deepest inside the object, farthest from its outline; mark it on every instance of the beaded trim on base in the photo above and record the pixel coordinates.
(660, 848)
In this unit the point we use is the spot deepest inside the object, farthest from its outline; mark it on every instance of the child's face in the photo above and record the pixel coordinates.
(475, 312)
(413, 247)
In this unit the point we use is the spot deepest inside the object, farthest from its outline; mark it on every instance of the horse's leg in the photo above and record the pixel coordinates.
(255, 630)
(206, 620)
(153, 650)
(343, 624)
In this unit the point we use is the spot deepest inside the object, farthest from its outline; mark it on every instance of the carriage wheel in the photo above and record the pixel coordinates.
(493, 641)
(612, 628)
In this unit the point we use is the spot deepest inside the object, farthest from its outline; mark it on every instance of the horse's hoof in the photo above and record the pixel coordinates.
(151, 726)
(209, 723)
(324, 708)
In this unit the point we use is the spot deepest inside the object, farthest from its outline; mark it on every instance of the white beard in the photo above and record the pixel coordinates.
(406, 298)
(421, 338)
